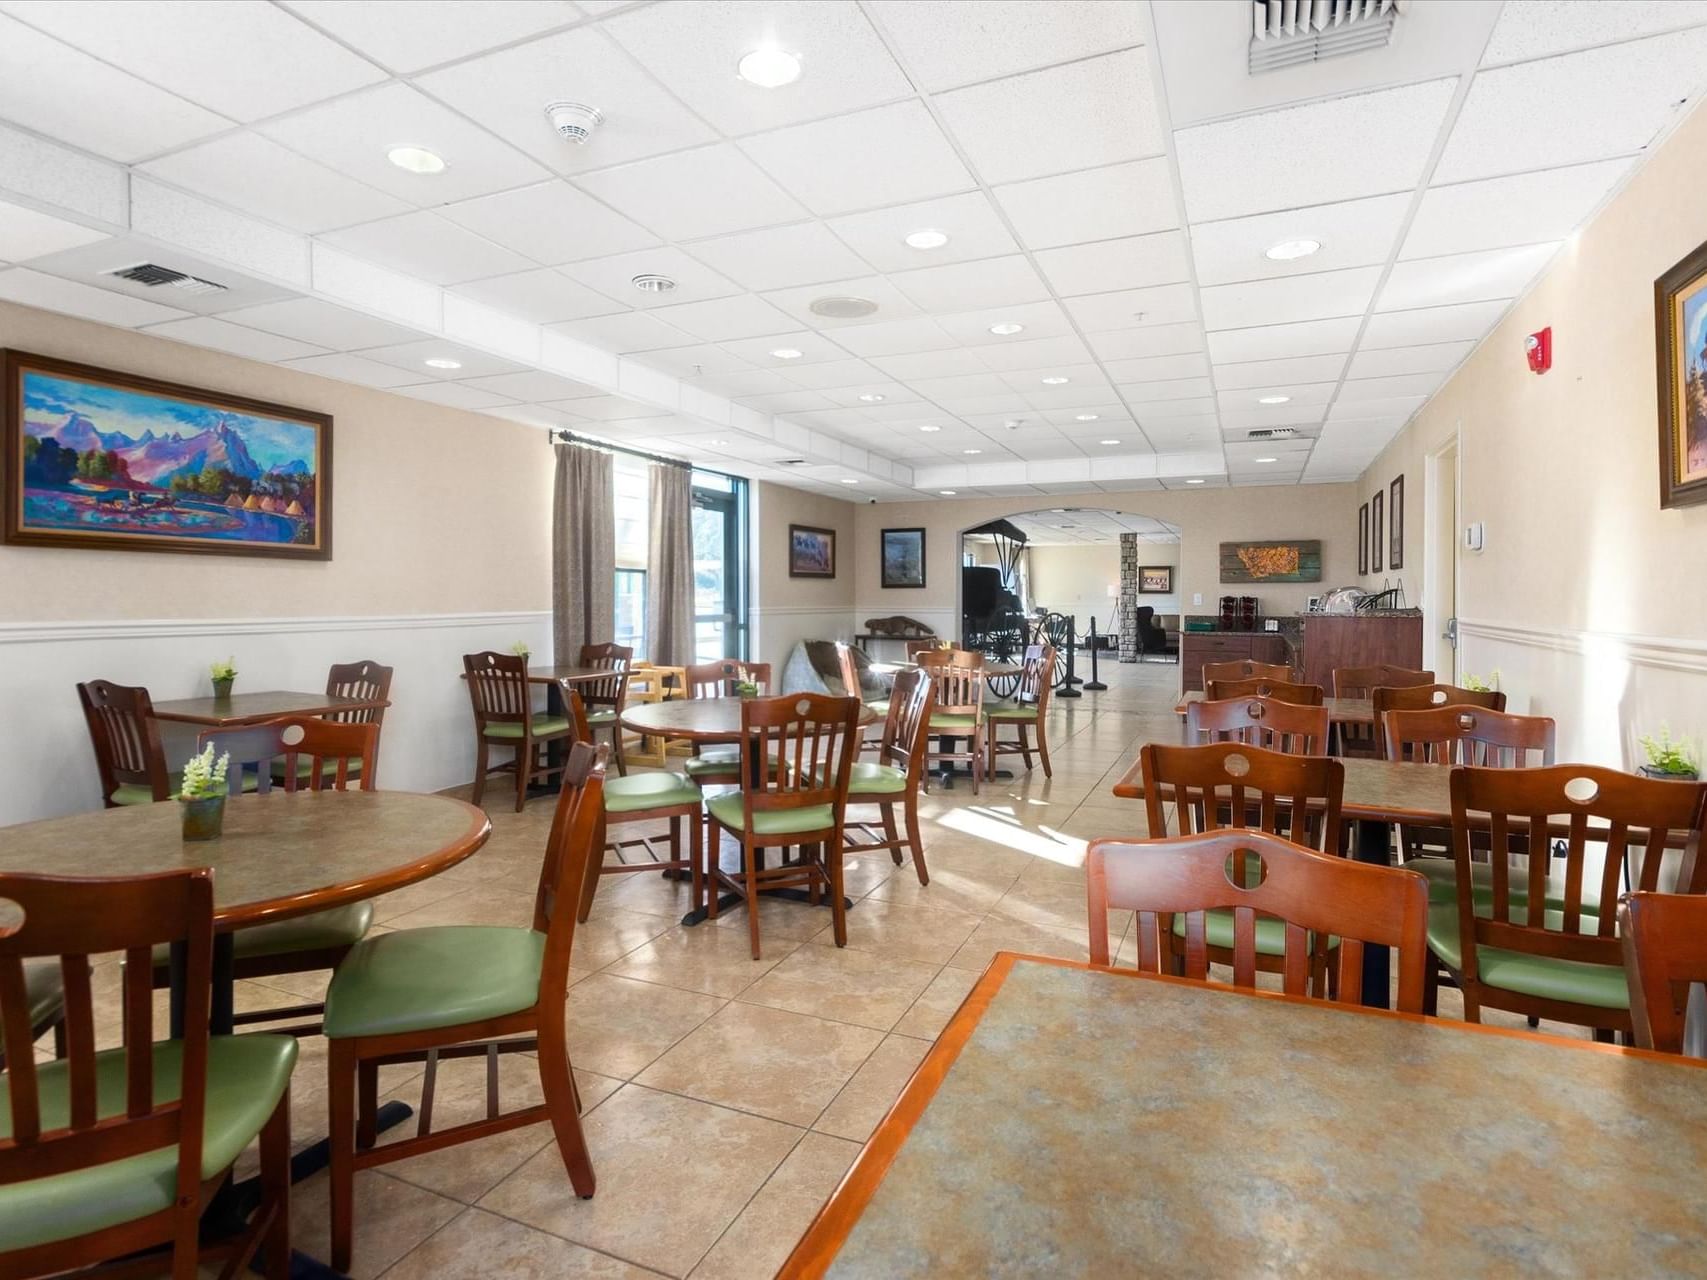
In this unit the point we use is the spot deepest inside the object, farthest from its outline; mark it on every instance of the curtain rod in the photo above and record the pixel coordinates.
(562, 436)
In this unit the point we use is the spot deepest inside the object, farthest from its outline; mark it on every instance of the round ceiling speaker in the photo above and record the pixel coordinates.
(838, 308)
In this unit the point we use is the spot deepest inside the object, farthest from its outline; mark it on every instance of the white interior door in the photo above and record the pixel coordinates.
(1440, 570)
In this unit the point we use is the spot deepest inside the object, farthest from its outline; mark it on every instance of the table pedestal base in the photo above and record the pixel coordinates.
(1371, 845)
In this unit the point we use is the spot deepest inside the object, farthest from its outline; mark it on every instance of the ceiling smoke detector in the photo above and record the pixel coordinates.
(574, 120)
(842, 308)
(648, 283)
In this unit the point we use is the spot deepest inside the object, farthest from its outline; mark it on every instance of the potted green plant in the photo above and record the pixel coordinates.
(203, 795)
(1670, 757)
(520, 649)
(1475, 682)
(223, 674)
(745, 685)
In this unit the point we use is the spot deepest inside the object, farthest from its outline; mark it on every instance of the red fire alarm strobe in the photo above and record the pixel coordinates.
(1539, 348)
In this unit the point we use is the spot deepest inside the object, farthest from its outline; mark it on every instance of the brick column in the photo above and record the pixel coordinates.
(1129, 597)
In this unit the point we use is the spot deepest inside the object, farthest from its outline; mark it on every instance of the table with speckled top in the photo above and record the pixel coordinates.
(1073, 1121)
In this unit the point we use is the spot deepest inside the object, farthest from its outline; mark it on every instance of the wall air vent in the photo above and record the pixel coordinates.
(153, 275)
(1291, 33)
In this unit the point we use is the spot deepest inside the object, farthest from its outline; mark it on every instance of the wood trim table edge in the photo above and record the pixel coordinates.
(366, 704)
(867, 718)
(1130, 789)
(830, 1228)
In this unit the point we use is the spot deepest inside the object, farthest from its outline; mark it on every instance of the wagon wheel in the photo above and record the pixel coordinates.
(1004, 646)
(1057, 630)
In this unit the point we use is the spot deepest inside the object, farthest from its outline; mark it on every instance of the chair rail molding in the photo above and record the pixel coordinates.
(157, 628)
(1664, 653)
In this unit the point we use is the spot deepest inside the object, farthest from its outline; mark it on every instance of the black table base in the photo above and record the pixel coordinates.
(1371, 845)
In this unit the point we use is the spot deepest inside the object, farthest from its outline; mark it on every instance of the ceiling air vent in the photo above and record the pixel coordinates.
(793, 462)
(153, 275)
(1271, 433)
(1290, 33)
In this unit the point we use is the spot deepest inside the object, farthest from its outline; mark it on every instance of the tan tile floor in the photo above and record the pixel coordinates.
(724, 1098)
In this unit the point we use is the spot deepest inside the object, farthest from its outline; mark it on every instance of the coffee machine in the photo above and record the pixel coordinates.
(1238, 613)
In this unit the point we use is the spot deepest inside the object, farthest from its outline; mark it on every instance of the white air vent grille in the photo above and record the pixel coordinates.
(1272, 433)
(153, 276)
(1290, 33)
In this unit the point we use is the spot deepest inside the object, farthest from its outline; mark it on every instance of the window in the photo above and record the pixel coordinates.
(633, 505)
(631, 610)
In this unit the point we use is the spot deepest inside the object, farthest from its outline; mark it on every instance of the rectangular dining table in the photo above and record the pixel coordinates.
(1077, 1121)
(253, 708)
(1359, 711)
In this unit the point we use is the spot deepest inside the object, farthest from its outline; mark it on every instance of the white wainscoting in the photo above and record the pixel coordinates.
(778, 628)
(47, 766)
(1604, 688)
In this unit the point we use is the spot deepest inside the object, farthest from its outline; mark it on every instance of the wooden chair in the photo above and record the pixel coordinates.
(1245, 669)
(801, 801)
(603, 698)
(957, 677)
(915, 647)
(1303, 695)
(1361, 682)
(110, 1153)
(1427, 697)
(1256, 878)
(504, 716)
(847, 668)
(1229, 784)
(419, 995)
(364, 679)
(661, 796)
(899, 772)
(1285, 727)
(720, 766)
(1515, 951)
(44, 998)
(1025, 713)
(1664, 938)
(126, 738)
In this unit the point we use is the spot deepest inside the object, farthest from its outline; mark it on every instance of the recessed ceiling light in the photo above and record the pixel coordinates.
(849, 480)
(1006, 330)
(1111, 442)
(649, 283)
(769, 67)
(972, 451)
(1273, 399)
(716, 444)
(947, 493)
(929, 238)
(1086, 417)
(842, 307)
(1014, 424)
(416, 160)
(1268, 459)
(930, 427)
(1287, 250)
(786, 353)
(874, 399)
(439, 362)
(1194, 482)
(1056, 381)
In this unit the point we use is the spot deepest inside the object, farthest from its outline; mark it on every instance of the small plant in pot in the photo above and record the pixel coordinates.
(1670, 757)
(1474, 682)
(223, 674)
(203, 795)
(745, 685)
(520, 649)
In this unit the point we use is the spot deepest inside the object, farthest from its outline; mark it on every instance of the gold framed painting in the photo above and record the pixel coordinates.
(1680, 347)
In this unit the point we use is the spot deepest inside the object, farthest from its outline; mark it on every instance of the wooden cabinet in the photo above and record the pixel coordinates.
(1199, 647)
(1358, 640)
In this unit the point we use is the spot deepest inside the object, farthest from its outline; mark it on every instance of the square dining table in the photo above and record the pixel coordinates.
(253, 708)
(1082, 1121)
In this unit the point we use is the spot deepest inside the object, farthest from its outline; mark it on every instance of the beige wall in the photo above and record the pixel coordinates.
(1587, 596)
(1075, 579)
(787, 610)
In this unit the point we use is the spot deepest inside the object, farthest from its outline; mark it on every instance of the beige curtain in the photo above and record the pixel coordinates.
(669, 567)
(583, 552)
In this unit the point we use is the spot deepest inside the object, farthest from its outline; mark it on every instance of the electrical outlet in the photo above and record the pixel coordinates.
(1196, 598)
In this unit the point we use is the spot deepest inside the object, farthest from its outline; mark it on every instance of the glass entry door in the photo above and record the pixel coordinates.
(719, 567)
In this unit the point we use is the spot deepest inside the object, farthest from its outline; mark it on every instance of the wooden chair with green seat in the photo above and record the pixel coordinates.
(126, 737)
(1427, 697)
(603, 698)
(896, 777)
(419, 995)
(660, 796)
(847, 666)
(44, 997)
(957, 676)
(1302, 695)
(1224, 785)
(1285, 727)
(1025, 714)
(1361, 682)
(108, 1154)
(1513, 949)
(504, 716)
(720, 766)
(1665, 953)
(802, 801)
(1259, 882)
(365, 679)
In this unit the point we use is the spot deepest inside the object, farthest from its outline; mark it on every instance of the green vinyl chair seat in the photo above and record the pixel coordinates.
(246, 1077)
(1218, 932)
(604, 715)
(880, 706)
(44, 990)
(323, 931)
(728, 810)
(1600, 985)
(1442, 877)
(440, 976)
(943, 722)
(718, 760)
(137, 793)
(543, 727)
(328, 769)
(1011, 711)
(641, 791)
(876, 780)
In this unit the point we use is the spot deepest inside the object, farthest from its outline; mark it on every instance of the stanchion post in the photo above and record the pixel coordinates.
(1093, 684)
(1069, 686)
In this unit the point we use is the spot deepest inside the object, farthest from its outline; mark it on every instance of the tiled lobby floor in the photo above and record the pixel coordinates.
(724, 1098)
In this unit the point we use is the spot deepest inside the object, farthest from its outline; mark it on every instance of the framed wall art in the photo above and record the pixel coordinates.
(1363, 538)
(1283, 561)
(811, 552)
(1680, 346)
(1155, 580)
(1396, 523)
(1377, 527)
(904, 557)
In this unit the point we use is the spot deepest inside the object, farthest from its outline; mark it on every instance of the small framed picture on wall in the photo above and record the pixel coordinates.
(903, 557)
(1377, 529)
(1363, 538)
(1156, 580)
(1396, 522)
(811, 552)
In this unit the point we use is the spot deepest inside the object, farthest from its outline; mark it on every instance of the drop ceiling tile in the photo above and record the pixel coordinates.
(796, 401)
(1296, 393)
(856, 397)
(1037, 320)
(1375, 410)
(1284, 341)
(1321, 296)
(1463, 277)
(532, 385)
(51, 293)
(424, 245)
(700, 360)
(1091, 419)
(322, 323)
(1500, 212)
(1098, 204)
(970, 221)
(814, 348)
(948, 43)
(1075, 397)
(835, 373)
(624, 333)
(454, 394)
(355, 134)
(614, 276)
(1107, 106)
(1603, 102)
(412, 35)
(892, 304)
(931, 364)
(750, 382)
(507, 91)
(901, 411)
(1165, 304)
(551, 223)
(1353, 233)
(1403, 384)
(225, 57)
(233, 339)
(895, 337)
(1539, 28)
(1270, 373)
(26, 234)
(1467, 322)
(887, 155)
(1006, 355)
(1155, 340)
(1150, 368)
(413, 357)
(658, 193)
(1131, 263)
(1166, 389)
(1283, 415)
(1068, 377)
(66, 94)
(542, 296)
(695, 48)
(608, 408)
(1436, 358)
(727, 319)
(356, 369)
(781, 257)
(1318, 153)
(973, 286)
(965, 385)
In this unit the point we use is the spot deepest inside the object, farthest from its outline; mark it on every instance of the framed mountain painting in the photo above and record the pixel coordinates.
(93, 458)
(1680, 343)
